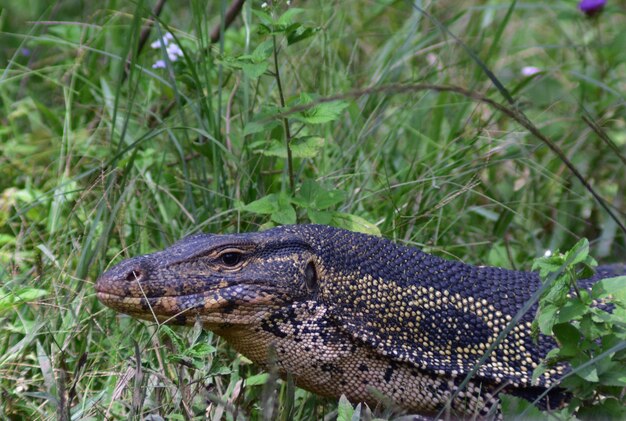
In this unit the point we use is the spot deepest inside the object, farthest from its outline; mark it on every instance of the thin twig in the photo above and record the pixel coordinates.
(229, 107)
(604, 137)
(292, 179)
(232, 12)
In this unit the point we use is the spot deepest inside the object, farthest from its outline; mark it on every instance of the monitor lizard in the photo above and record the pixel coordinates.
(349, 313)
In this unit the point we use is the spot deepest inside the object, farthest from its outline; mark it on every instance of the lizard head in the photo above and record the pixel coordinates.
(220, 280)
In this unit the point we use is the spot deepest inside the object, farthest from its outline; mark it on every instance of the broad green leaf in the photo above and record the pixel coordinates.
(257, 379)
(6, 238)
(285, 214)
(322, 113)
(568, 337)
(329, 198)
(173, 336)
(265, 18)
(546, 319)
(262, 121)
(300, 34)
(9, 299)
(355, 223)
(572, 310)
(344, 409)
(259, 126)
(265, 205)
(356, 415)
(263, 51)
(614, 287)
(607, 409)
(308, 147)
(319, 217)
(578, 253)
(254, 70)
(309, 190)
(287, 17)
(616, 377)
(313, 195)
(200, 350)
(589, 373)
(274, 148)
(513, 406)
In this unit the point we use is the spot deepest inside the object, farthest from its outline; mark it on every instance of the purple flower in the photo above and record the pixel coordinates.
(159, 64)
(530, 71)
(591, 7)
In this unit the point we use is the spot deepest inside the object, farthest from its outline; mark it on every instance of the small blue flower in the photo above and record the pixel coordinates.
(171, 48)
(162, 41)
(530, 71)
(159, 64)
(591, 7)
(173, 52)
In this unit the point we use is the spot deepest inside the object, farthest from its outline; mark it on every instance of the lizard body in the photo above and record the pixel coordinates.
(348, 313)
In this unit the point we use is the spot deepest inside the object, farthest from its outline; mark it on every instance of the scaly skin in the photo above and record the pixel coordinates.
(348, 313)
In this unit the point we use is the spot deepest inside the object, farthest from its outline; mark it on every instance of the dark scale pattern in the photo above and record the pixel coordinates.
(436, 314)
(348, 313)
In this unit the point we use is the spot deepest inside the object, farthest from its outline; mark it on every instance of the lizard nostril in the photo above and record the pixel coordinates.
(134, 275)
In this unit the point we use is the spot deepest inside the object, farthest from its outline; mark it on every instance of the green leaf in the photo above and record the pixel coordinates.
(322, 113)
(356, 416)
(299, 34)
(572, 310)
(263, 51)
(199, 350)
(313, 195)
(616, 377)
(173, 336)
(607, 409)
(589, 373)
(262, 121)
(355, 223)
(610, 287)
(253, 70)
(287, 17)
(265, 205)
(9, 299)
(329, 198)
(568, 337)
(319, 217)
(578, 253)
(546, 319)
(344, 409)
(257, 380)
(513, 406)
(284, 216)
(257, 126)
(265, 18)
(305, 147)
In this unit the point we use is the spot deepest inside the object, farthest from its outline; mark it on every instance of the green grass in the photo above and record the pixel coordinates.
(96, 167)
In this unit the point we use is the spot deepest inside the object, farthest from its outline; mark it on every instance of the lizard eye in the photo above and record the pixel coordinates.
(231, 258)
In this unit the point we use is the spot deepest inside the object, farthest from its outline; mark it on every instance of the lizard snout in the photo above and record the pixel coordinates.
(126, 273)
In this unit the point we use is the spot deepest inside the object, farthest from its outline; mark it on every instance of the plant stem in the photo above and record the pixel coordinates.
(292, 182)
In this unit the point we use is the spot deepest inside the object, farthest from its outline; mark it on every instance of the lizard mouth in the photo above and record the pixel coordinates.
(225, 305)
